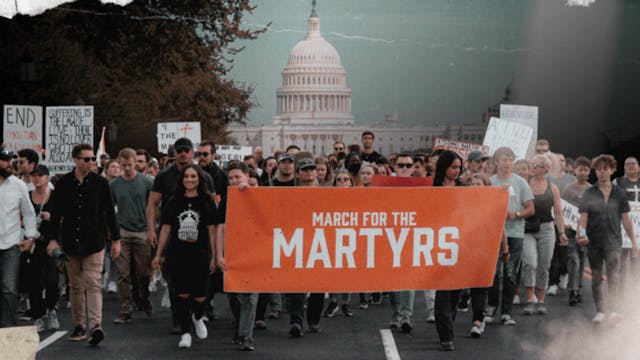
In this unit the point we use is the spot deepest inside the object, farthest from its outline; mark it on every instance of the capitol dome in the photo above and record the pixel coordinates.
(314, 88)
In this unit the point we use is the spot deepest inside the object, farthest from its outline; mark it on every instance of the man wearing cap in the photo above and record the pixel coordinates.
(475, 164)
(306, 175)
(285, 174)
(164, 186)
(83, 217)
(14, 204)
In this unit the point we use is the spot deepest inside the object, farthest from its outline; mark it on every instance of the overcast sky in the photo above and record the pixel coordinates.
(446, 61)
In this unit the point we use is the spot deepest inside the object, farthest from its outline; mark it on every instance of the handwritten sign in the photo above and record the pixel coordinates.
(461, 148)
(232, 152)
(570, 214)
(508, 133)
(524, 115)
(169, 132)
(635, 218)
(66, 127)
(22, 127)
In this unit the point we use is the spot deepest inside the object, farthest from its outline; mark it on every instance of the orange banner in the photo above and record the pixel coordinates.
(362, 239)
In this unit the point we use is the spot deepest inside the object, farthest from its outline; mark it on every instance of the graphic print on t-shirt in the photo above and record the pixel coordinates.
(188, 222)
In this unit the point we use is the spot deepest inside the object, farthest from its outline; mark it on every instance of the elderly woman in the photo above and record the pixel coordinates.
(539, 237)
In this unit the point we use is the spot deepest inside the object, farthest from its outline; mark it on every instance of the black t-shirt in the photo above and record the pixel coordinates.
(189, 218)
(371, 158)
(603, 227)
(276, 182)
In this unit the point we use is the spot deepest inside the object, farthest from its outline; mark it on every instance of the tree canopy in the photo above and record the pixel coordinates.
(150, 61)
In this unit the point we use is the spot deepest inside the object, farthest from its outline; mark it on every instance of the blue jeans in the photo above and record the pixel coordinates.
(9, 269)
(507, 272)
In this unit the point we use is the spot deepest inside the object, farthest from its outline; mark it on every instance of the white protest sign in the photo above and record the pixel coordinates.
(232, 152)
(461, 148)
(508, 133)
(22, 127)
(169, 132)
(524, 115)
(635, 218)
(66, 127)
(570, 214)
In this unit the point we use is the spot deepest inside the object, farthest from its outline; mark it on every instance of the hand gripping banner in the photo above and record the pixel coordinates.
(362, 239)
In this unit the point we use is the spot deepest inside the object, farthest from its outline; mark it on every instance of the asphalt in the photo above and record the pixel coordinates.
(563, 333)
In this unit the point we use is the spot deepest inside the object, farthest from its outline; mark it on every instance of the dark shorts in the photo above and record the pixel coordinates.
(189, 271)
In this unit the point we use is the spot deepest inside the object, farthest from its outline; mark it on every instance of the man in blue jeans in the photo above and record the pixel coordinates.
(520, 207)
(14, 203)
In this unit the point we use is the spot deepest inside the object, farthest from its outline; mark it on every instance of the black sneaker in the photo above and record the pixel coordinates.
(447, 346)
(573, 298)
(78, 334)
(314, 328)
(364, 304)
(346, 310)
(331, 310)
(406, 326)
(147, 308)
(96, 335)
(247, 345)
(295, 331)
(376, 299)
(579, 297)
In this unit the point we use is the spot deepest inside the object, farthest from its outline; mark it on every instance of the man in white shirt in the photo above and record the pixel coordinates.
(14, 202)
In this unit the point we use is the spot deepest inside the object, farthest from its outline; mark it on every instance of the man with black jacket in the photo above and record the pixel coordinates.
(83, 212)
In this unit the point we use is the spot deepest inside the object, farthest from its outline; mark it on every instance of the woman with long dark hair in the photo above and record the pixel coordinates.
(188, 228)
(447, 173)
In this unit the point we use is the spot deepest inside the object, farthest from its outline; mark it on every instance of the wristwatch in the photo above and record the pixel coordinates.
(517, 214)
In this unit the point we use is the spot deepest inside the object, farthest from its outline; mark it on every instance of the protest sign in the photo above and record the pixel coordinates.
(570, 214)
(508, 133)
(372, 239)
(461, 148)
(232, 152)
(524, 115)
(22, 127)
(401, 181)
(169, 132)
(66, 127)
(635, 218)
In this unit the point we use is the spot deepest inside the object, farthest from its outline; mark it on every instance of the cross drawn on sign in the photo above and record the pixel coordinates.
(186, 128)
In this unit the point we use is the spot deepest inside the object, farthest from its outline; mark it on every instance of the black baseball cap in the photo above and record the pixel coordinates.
(183, 143)
(7, 154)
(305, 163)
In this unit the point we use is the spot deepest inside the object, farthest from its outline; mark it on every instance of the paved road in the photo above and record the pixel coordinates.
(567, 333)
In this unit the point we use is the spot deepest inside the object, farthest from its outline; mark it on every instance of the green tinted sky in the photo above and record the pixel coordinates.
(431, 61)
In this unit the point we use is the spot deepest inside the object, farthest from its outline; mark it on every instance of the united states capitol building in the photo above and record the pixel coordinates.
(314, 109)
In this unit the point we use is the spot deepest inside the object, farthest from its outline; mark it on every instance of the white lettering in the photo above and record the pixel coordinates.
(397, 244)
(345, 250)
(451, 246)
(319, 250)
(280, 243)
(420, 248)
(371, 244)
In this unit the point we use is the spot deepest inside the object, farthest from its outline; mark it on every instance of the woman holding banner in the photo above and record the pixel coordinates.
(447, 174)
(188, 228)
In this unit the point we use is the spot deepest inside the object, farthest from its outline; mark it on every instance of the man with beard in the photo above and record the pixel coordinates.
(142, 160)
(205, 156)
(14, 205)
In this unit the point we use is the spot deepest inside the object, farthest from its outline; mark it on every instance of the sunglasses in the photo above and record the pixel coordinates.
(88, 159)
(203, 154)
(404, 165)
(183, 149)
(345, 179)
(338, 149)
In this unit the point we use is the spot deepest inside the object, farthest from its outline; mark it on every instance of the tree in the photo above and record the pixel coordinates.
(149, 61)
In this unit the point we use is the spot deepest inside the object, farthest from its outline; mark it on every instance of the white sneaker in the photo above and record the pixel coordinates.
(52, 320)
(552, 290)
(39, 324)
(112, 288)
(185, 341)
(477, 330)
(201, 328)
(599, 318)
(516, 300)
(564, 281)
(166, 301)
(489, 314)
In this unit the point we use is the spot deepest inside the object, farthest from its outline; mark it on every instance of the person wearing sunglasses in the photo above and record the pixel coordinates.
(83, 199)
(14, 205)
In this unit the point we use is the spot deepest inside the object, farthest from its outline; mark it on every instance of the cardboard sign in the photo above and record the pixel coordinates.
(635, 218)
(400, 181)
(169, 132)
(508, 133)
(524, 115)
(461, 148)
(232, 152)
(22, 127)
(362, 239)
(66, 127)
(570, 214)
